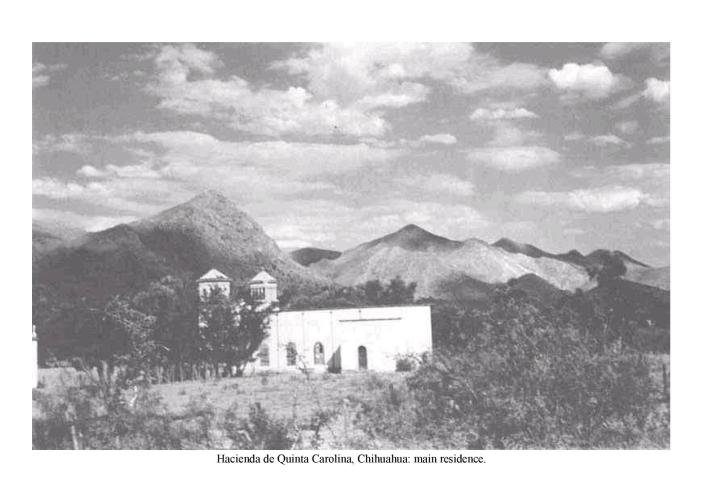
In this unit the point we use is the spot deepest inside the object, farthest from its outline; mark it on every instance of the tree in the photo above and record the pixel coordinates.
(173, 303)
(230, 331)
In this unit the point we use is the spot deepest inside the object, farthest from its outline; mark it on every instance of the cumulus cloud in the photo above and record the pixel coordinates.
(594, 200)
(185, 82)
(514, 158)
(502, 114)
(657, 90)
(377, 73)
(627, 126)
(587, 81)
(41, 73)
(446, 139)
(607, 140)
(440, 183)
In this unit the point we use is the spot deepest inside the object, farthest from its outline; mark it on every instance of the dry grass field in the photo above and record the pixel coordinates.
(283, 396)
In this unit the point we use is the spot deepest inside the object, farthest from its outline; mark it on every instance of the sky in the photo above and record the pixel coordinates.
(562, 145)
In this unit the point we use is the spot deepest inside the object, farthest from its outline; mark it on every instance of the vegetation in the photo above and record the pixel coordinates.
(373, 293)
(513, 374)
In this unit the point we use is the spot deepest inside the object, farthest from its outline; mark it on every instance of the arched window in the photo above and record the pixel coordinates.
(291, 353)
(264, 356)
(362, 358)
(318, 354)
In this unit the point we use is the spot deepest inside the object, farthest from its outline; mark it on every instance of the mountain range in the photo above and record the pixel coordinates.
(210, 231)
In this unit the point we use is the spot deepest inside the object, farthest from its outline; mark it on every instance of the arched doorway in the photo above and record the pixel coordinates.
(362, 358)
(318, 353)
(290, 354)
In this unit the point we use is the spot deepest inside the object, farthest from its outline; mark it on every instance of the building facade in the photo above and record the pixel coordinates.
(335, 340)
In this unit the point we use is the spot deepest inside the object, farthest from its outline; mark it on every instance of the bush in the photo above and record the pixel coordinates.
(257, 431)
(521, 381)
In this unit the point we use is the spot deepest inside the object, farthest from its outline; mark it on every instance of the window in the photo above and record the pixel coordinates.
(263, 356)
(291, 353)
(362, 358)
(318, 354)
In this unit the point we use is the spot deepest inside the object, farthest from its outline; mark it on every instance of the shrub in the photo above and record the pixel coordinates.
(521, 380)
(257, 431)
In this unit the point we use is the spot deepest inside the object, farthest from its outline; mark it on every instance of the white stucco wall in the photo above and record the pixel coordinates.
(385, 332)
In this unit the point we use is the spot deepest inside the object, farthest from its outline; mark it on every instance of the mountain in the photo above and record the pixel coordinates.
(47, 236)
(612, 261)
(438, 264)
(656, 277)
(518, 248)
(311, 255)
(206, 232)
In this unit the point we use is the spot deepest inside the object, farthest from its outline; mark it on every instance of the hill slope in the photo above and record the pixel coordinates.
(48, 236)
(311, 255)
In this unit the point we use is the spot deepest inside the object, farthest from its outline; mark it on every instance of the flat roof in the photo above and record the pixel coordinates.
(399, 306)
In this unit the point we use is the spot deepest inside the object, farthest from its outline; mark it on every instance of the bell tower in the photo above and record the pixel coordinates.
(264, 288)
(212, 280)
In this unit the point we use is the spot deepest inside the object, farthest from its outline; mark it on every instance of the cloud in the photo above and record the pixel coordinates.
(587, 81)
(487, 73)
(90, 223)
(376, 74)
(658, 140)
(126, 171)
(440, 183)
(627, 126)
(573, 231)
(446, 139)
(661, 224)
(261, 111)
(187, 155)
(68, 143)
(656, 52)
(574, 136)
(330, 223)
(41, 73)
(608, 140)
(515, 158)
(656, 90)
(612, 51)
(657, 172)
(502, 114)
(593, 200)
(126, 195)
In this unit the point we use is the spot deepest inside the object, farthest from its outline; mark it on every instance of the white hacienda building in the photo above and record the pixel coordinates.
(367, 338)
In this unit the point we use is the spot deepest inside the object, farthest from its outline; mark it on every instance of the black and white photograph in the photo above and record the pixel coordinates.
(351, 246)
